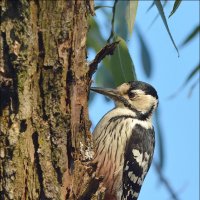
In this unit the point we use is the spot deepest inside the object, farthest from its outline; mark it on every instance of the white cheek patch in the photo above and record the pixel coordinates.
(123, 88)
(140, 92)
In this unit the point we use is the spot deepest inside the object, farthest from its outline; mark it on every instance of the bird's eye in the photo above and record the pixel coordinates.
(131, 94)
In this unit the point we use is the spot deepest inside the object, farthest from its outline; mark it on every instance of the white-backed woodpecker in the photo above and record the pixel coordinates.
(124, 139)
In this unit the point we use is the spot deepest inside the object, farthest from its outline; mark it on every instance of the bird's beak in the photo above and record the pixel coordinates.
(112, 93)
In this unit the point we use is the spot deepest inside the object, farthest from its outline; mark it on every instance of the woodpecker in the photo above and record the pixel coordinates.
(124, 139)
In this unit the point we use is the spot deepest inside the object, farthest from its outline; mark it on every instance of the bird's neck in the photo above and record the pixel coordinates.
(121, 111)
(140, 115)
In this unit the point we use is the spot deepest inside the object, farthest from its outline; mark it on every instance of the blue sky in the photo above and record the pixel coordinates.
(179, 116)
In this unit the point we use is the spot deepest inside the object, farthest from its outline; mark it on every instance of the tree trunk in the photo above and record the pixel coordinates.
(44, 83)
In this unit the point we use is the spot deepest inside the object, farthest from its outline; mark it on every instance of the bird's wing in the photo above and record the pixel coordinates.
(137, 159)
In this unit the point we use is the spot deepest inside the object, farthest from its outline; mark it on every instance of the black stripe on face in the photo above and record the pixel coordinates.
(139, 115)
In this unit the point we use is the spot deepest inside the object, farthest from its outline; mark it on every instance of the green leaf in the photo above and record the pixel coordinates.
(150, 7)
(104, 78)
(193, 87)
(131, 11)
(191, 75)
(94, 37)
(156, 17)
(121, 65)
(120, 27)
(145, 55)
(175, 7)
(159, 133)
(191, 35)
(187, 80)
(162, 14)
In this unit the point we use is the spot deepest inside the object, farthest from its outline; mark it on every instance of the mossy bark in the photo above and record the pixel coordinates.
(44, 83)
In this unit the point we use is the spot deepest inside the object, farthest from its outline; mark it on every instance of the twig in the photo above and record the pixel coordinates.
(90, 6)
(106, 50)
(165, 182)
(112, 23)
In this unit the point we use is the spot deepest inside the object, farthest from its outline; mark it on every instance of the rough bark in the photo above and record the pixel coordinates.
(44, 80)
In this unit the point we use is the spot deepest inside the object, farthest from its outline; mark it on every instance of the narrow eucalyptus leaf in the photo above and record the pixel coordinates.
(187, 80)
(175, 7)
(120, 25)
(192, 73)
(159, 133)
(145, 55)
(150, 7)
(162, 14)
(191, 35)
(156, 17)
(131, 11)
(193, 87)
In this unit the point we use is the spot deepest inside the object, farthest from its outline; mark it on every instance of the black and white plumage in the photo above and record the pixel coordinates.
(124, 139)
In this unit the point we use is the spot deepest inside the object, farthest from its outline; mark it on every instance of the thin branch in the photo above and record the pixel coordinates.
(90, 6)
(106, 50)
(165, 182)
(112, 23)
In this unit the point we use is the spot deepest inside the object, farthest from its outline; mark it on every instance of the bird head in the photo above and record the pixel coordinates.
(138, 96)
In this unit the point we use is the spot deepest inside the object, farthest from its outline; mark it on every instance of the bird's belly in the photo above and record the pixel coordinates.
(110, 147)
(110, 138)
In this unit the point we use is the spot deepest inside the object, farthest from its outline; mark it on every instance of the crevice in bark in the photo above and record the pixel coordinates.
(3, 194)
(58, 172)
(8, 66)
(23, 126)
(70, 151)
(37, 164)
(54, 160)
(83, 127)
(26, 184)
(40, 62)
(44, 115)
(41, 46)
(13, 11)
(67, 194)
(69, 80)
(9, 150)
(10, 94)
